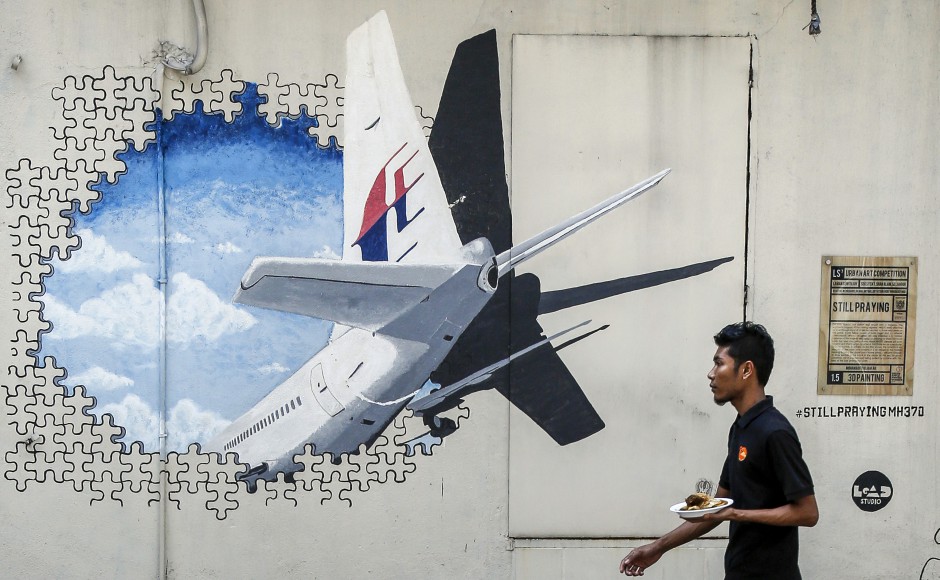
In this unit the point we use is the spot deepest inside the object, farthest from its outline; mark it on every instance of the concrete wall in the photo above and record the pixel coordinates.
(839, 150)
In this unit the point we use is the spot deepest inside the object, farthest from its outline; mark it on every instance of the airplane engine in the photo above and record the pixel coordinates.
(480, 251)
(489, 277)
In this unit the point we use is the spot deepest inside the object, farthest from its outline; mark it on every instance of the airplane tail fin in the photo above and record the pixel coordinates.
(387, 164)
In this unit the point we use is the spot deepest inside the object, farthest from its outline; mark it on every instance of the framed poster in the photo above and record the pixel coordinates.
(867, 311)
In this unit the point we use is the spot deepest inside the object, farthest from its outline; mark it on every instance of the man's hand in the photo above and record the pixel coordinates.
(645, 556)
(638, 560)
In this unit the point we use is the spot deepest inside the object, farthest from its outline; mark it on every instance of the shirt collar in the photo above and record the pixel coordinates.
(755, 411)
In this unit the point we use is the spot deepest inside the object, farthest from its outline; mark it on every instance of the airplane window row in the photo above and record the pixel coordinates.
(264, 422)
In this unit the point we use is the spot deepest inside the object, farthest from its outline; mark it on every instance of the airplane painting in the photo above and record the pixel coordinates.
(420, 299)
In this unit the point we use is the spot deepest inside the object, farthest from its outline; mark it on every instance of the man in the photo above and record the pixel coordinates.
(764, 472)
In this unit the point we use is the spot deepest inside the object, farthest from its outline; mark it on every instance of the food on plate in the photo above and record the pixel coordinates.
(701, 501)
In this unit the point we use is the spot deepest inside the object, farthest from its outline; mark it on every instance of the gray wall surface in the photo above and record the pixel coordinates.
(784, 148)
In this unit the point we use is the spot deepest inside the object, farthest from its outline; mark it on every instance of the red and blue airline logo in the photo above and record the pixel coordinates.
(373, 235)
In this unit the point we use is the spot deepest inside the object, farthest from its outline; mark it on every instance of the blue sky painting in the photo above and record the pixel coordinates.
(233, 191)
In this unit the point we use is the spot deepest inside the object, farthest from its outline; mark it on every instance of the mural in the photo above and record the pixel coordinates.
(149, 222)
(931, 568)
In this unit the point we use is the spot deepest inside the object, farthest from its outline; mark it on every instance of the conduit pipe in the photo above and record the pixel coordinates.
(192, 67)
(162, 363)
(202, 44)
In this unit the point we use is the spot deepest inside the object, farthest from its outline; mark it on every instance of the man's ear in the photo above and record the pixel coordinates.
(747, 369)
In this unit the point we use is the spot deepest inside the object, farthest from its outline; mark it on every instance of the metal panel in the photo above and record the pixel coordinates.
(592, 115)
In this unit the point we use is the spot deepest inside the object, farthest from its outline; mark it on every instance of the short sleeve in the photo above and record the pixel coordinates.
(791, 471)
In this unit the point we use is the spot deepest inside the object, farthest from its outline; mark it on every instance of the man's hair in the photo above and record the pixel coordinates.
(747, 341)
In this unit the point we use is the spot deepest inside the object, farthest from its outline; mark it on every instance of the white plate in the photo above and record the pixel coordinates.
(699, 513)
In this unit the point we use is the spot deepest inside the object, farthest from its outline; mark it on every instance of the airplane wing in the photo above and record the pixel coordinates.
(509, 259)
(362, 295)
(386, 162)
(441, 396)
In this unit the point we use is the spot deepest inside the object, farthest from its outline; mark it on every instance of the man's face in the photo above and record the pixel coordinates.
(724, 379)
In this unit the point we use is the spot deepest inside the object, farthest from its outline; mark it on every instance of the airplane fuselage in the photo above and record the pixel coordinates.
(348, 393)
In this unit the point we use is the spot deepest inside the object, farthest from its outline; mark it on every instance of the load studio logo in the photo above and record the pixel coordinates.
(871, 491)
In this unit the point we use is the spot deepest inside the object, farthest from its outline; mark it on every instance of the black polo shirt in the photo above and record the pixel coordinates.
(764, 469)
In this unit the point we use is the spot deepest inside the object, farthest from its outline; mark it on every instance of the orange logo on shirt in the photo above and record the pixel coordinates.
(742, 453)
